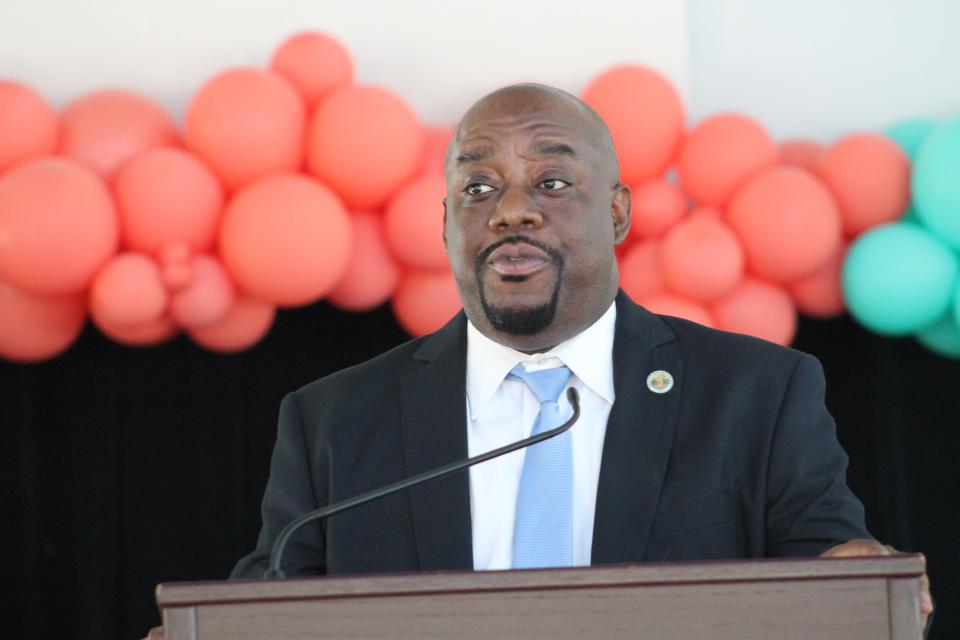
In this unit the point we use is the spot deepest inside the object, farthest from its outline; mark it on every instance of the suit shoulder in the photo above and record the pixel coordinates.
(732, 348)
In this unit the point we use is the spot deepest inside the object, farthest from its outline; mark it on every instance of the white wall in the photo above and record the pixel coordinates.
(822, 68)
(440, 56)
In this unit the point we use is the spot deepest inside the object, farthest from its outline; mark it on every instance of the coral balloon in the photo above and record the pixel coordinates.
(372, 274)
(35, 327)
(104, 129)
(701, 258)
(820, 294)
(246, 123)
(899, 278)
(166, 196)
(720, 154)
(656, 206)
(936, 182)
(436, 138)
(800, 152)
(207, 298)
(787, 222)
(645, 117)
(869, 176)
(137, 335)
(58, 226)
(758, 309)
(28, 126)
(668, 304)
(640, 270)
(413, 224)
(243, 326)
(315, 64)
(286, 239)
(128, 291)
(364, 142)
(425, 301)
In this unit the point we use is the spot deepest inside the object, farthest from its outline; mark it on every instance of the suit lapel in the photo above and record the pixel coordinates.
(639, 435)
(433, 426)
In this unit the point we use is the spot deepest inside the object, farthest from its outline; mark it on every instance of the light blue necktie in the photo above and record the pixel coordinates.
(543, 534)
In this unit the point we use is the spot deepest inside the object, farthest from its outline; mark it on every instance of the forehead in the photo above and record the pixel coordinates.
(520, 117)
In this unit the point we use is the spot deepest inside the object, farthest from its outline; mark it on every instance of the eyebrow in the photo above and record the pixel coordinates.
(543, 149)
(475, 155)
(555, 149)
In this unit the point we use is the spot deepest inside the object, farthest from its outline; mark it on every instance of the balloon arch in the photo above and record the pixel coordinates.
(293, 183)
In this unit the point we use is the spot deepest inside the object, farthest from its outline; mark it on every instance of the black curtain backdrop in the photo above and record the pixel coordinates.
(127, 467)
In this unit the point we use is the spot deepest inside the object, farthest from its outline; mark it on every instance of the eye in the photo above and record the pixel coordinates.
(554, 184)
(477, 189)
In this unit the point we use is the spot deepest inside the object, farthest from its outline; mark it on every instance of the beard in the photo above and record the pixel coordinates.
(519, 321)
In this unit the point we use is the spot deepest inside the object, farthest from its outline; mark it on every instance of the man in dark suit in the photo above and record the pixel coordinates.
(708, 444)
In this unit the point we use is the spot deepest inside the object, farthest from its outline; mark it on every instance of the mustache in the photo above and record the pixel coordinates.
(484, 255)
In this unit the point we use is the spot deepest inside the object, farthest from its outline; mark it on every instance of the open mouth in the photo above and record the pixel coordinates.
(518, 260)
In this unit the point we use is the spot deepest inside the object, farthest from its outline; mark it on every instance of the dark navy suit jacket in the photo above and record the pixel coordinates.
(740, 459)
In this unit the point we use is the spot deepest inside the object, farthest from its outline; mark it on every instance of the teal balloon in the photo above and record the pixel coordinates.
(943, 338)
(911, 215)
(910, 134)
(936, 182)
(898, 278)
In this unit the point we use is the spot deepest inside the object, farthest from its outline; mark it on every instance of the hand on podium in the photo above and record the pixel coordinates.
(864, 547)
(155, 634)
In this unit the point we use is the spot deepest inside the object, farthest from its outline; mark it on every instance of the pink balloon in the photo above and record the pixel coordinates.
(787, 222)
(58, 226)
(286, 239)
(425, 301)
(247, 123)
(720, 154)
(166, 196)
(129, 291)
(645, 116)
(413, 224)
(436, 138)
(758, 309)
(137, 335)
(315, 64)
(35, 327)
(372, 274)
(668, 304)
(701, 258)
(640, 270)
(244, 325)
(365, 142)
(207, 298)
(104, 129)
(28, 126)
(657, 206)
(800, 152)
(820, 294)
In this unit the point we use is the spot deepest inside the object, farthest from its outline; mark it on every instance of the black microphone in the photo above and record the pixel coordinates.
(276, 555)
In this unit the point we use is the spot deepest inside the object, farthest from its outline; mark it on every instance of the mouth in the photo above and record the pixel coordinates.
(518, 261)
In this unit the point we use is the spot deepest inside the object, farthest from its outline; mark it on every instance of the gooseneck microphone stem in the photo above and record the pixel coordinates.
(276, 555)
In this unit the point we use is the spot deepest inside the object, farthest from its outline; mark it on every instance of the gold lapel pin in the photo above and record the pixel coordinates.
(660, 381)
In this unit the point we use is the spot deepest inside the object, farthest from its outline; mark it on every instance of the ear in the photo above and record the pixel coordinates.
(620, 213)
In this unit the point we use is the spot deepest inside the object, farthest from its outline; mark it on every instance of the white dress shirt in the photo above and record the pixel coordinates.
(501, 411)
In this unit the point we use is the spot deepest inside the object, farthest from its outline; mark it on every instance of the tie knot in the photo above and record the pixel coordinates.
(546, 384)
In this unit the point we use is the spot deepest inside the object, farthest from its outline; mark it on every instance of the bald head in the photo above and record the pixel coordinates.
(517, 100)
(534, 209)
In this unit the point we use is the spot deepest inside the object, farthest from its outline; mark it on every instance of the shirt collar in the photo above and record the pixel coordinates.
(589, 355)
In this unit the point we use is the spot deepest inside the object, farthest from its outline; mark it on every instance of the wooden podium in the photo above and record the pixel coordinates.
(840, 599)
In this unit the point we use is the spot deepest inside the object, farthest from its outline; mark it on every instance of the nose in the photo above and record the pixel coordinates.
(516, 209)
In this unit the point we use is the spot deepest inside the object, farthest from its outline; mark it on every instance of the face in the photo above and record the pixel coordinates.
(532, 215)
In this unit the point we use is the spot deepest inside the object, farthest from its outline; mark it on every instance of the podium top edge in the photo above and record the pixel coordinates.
(176, 594)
